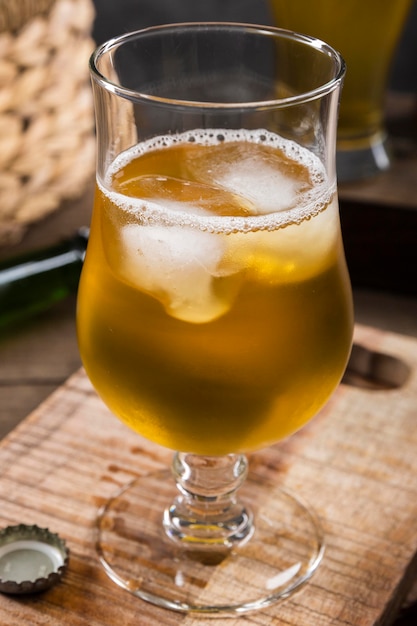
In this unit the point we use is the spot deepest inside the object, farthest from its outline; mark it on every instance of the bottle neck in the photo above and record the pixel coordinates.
(34, 281)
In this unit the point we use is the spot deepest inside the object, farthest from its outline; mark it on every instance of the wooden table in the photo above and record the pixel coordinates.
(357, 460)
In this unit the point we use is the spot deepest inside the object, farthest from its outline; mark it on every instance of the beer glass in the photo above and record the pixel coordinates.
(366, 33)
(214, 311)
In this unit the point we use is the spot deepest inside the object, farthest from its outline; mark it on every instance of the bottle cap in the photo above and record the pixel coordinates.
(32, 559)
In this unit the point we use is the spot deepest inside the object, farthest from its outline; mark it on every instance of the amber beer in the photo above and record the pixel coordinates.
(366, 33)
(215, 315)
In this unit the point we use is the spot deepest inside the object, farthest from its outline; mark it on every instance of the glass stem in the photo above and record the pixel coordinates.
(207, 513)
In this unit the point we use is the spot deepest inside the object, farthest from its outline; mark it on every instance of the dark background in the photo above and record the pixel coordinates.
(116, 17)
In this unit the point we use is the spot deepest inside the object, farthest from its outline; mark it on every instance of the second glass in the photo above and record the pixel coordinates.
(366, 33)
(215, 312)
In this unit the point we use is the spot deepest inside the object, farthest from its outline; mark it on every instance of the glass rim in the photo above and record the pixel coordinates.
(272, 31)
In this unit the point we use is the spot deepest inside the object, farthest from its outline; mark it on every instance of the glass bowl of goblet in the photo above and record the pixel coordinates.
(214, 309)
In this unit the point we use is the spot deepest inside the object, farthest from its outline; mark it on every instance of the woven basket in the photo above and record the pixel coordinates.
(47, 142)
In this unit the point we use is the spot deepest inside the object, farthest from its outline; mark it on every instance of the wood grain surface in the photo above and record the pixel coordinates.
(356, 462)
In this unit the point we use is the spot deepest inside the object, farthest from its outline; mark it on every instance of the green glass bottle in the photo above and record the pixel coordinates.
(33, 282)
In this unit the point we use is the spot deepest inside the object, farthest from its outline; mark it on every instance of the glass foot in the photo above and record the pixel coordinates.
(281, 554)
(363, 162)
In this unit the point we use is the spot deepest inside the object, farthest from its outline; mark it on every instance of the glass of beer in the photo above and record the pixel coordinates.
(214, 311)
(366, 33)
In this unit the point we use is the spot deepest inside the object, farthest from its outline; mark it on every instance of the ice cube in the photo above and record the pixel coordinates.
(267, 179)
(183, 195)
(178, 266)
(287, 255)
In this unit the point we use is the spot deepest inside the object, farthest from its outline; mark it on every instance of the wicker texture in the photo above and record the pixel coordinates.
(46, 113)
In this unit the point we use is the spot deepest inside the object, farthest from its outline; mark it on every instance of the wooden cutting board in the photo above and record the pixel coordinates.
(356, 463)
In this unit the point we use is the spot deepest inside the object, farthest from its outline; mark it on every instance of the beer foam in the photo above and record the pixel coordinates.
(179, 252)
(276, 203)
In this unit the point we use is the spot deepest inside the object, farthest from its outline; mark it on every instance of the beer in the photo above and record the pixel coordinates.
(366, 34)
(214, 306)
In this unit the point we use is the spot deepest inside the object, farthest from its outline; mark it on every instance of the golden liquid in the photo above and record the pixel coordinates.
(206, 341)
(365, 33)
